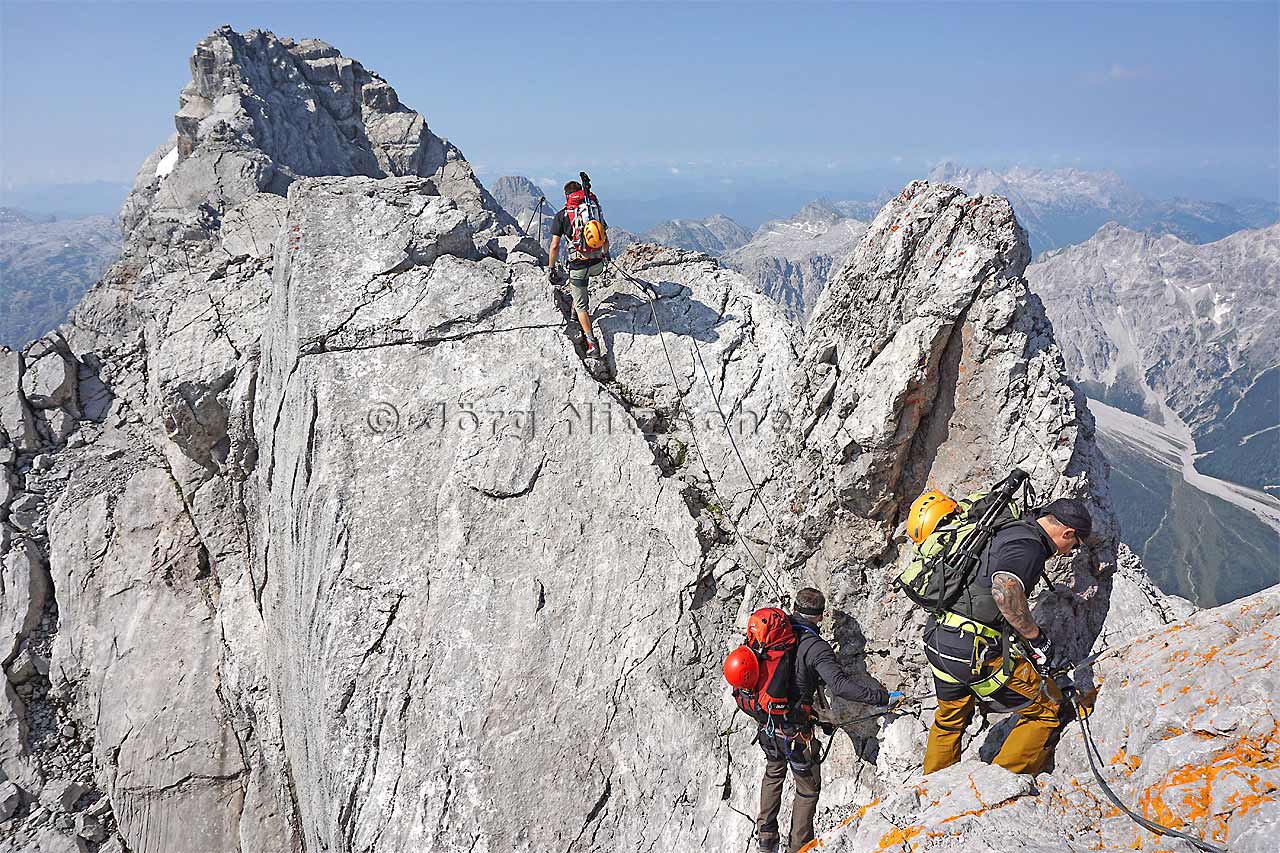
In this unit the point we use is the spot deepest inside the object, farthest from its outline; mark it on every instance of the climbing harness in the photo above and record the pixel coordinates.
(1095, 761)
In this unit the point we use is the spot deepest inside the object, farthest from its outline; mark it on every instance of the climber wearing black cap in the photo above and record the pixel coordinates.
(794, 746)
(969, 648)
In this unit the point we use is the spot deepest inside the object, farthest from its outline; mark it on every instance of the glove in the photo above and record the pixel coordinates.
(827, 728)
(1039, 651)
(896, 698)
(553, 275)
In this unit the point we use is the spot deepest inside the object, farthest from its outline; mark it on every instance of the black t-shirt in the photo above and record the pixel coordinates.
(561, 227)
(1013, 552)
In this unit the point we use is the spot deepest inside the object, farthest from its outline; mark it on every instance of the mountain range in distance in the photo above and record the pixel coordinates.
(46, 265)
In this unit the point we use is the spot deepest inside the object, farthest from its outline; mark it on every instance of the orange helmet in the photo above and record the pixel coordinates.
(742, 669)
(593, 234)
(926, 511)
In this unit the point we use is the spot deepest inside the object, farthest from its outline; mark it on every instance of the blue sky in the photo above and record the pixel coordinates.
(704, 101)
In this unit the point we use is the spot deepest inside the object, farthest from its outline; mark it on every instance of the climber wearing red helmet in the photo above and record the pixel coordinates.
(792, 745)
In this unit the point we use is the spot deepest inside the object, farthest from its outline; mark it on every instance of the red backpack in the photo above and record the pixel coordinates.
(582, 207)
(772, 641)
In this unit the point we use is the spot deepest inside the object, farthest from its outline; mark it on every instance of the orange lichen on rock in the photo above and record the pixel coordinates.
(1189, 789)
(899, 837)
(817, 843)
(1132, 762)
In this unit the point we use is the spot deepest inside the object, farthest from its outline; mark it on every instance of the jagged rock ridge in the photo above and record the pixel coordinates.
(306, 559)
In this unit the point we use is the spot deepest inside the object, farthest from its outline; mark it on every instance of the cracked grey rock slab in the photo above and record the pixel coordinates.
(437, 522)
(144, 659)
(726, 344)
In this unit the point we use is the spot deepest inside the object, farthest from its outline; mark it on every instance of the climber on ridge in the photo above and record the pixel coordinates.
(793, 744)
(582, 220)
(965, 646)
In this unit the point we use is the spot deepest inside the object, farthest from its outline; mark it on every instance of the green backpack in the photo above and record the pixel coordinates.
(943, 565)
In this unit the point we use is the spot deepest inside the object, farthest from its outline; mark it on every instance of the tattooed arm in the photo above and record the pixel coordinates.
(1011, 598)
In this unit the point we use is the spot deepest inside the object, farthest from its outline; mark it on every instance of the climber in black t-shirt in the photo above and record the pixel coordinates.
(585, 264)
(966, 644)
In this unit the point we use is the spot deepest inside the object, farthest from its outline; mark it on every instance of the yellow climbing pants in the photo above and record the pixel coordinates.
(1024, 749)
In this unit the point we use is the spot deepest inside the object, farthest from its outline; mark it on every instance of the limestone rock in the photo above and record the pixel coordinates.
(10, 799)
(359, 548)
(88, 828)
(53, 841)
(24, 581)
(1184, 738)
(61, 794)
(26, 666)
(16, 422)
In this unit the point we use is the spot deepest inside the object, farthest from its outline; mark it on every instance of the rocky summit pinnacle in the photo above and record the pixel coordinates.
(318, 533)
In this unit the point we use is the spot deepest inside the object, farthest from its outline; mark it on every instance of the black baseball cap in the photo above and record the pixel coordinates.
(1073, 513)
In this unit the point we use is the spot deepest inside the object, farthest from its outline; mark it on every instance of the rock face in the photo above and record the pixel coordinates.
(1186, 736)
(331, 539)
(790, 260)
(45, 267)
(1060, 207)
(929, 362)
(714, 235)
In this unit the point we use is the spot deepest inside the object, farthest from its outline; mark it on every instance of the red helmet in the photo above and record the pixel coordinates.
(742, 669)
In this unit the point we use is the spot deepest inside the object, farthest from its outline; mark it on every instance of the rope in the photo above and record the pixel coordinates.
(755, 490)
(1095, 760)
(675, 378)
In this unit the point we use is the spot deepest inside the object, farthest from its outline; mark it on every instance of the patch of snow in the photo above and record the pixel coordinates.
(166, 164)
(1220, 309)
